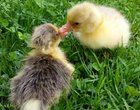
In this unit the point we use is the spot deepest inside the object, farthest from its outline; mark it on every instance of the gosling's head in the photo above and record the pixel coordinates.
(44, 36)
(83, 17)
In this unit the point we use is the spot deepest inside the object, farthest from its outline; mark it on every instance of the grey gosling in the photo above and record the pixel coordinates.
(45, 74)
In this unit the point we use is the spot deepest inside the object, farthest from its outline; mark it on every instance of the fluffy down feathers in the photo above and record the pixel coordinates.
(97, 26)
(45, 74)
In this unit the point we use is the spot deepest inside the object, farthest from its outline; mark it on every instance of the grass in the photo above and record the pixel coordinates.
(101, 82)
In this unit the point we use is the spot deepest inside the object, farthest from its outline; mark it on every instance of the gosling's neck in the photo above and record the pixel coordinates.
(96, 28)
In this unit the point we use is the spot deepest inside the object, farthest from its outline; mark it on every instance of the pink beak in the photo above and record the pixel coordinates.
(63, 31)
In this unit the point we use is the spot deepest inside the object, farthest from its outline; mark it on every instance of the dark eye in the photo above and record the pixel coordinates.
(76, 23)
(56, 33)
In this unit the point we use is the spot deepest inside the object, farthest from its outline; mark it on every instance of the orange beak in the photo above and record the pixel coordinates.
(63, 31)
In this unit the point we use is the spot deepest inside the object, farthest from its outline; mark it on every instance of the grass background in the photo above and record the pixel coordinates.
(101, 81)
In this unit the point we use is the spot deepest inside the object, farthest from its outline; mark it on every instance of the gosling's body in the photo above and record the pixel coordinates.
(99, 26)
(44, 76)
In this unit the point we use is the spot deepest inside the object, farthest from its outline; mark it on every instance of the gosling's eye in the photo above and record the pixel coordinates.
(76, 23)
